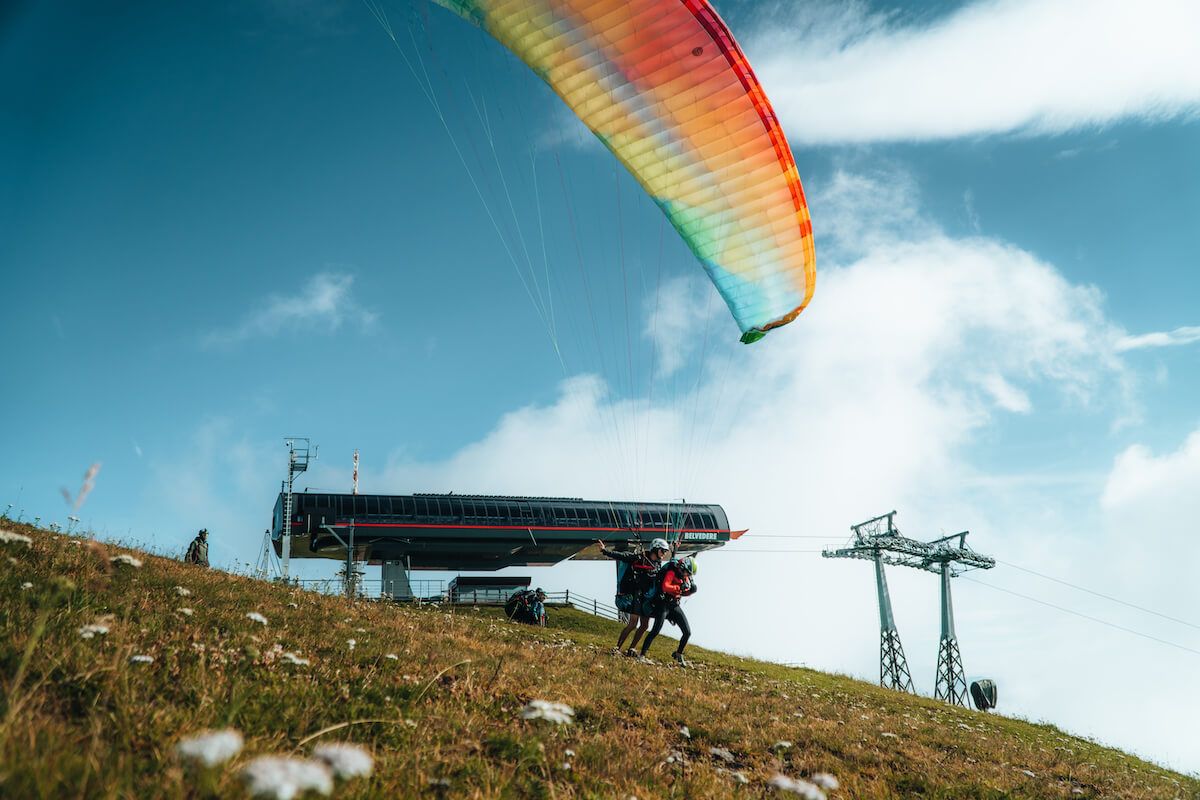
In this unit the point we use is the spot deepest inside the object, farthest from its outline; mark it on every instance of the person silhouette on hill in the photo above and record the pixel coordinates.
(197, 552)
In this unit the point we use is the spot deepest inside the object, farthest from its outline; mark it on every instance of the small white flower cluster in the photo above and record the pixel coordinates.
(126, 560)
(825, 781)
(187, 612)
(346, 760)
(140, 659)
(721, 753)
(26, 586)
(558, 713)
(351, 643)
(392, 657)
(284, 778)
(254, 616)
(211, 747)
(183, 591)
(10, 537)
(92, 631)
(294, 658)
(811, 790)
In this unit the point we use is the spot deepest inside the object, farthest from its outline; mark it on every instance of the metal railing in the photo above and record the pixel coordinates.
(434, 591)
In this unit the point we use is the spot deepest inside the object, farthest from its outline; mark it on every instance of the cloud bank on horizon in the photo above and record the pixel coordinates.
(847, 75)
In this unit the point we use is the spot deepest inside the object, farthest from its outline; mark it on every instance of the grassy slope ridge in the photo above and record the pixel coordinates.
(77, 719)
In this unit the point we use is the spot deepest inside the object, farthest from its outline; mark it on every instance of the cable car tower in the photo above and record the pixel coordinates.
(948, 556)
(871, 539)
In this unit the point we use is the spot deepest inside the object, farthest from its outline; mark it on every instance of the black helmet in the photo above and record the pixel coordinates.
(204, 531)
(541, 594)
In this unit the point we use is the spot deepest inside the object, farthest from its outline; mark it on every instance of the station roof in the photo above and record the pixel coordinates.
(483, 532)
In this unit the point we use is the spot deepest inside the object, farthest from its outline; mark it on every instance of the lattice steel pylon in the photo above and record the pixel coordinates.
(298, 458)
(893, 667)
(879, 539)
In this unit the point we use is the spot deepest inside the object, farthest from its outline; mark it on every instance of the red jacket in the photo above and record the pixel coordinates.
(674, 583)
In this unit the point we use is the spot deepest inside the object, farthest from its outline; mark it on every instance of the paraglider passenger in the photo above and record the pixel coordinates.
(633, 582)
(674, 581)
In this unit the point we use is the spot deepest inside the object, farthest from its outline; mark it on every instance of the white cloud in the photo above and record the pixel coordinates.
(1007, 396)
(1041, 66)
(324, 302)
(1179, 336)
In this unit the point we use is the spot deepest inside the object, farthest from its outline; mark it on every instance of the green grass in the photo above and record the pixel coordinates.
(77, 719)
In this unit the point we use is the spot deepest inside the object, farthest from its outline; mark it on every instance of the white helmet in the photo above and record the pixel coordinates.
(660, 544)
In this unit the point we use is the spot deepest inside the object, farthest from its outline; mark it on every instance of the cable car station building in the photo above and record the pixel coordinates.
(481, 532)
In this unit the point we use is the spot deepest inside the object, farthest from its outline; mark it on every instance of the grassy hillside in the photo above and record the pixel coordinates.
(443, 717)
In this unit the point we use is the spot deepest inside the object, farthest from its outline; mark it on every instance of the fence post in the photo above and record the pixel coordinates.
(594, 609)
(567, 597)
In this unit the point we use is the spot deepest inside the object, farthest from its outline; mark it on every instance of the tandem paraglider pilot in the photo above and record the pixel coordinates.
(197, 552)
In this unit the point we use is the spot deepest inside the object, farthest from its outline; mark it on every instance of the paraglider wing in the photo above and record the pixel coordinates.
(665, 87)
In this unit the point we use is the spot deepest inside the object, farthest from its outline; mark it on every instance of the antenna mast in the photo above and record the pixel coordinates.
(298, 460)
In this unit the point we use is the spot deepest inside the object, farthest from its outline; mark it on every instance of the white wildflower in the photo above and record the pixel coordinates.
(93, 630)
(285, 778)
(126, 560)
(558, 713)
(211, 747)
(187, 612)
(183, 591)
(139, 659)
(26, 586)
(569, 753)
(351, 643)
(798, 786)
(782, 744)
(825, 781)
(9, 537)
(721, 753)
(1030, 774)
(293, 658)
(392, 656)
(684, 732)
(254, 616)
(412, 723)
(887, 735)
(293, 605)
(346, 760)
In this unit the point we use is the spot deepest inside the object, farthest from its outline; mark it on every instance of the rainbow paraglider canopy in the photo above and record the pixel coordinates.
(666, 88)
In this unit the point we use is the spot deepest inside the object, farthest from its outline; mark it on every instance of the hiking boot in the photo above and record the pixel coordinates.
(631, 653)
(679, 658)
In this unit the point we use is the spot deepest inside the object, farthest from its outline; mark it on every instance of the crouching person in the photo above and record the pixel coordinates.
(674, 582)
(527, 606)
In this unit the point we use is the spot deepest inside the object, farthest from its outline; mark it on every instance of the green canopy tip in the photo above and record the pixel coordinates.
(753, 335)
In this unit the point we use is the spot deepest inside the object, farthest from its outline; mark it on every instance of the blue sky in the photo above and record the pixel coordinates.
(229, 223)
